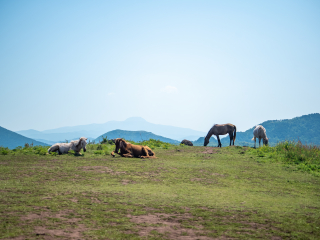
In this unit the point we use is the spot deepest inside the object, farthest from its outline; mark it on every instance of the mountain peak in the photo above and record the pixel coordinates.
(135, 119)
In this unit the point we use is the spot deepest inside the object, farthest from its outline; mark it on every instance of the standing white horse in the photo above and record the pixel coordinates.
(260, 132)
(66, 147)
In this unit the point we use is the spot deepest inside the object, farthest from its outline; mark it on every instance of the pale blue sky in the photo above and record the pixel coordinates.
(179, 63)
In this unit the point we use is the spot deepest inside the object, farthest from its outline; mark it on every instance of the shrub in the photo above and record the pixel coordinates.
(27, 145)
(99, 147)
(152, 143)
(106, 141)
(4, 151)
(41, 151)
(99, 152)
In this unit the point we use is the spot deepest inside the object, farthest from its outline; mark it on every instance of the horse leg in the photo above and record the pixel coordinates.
(259, 141)
(127, 155)
(231, 137)
(254, 142)
(219, 142)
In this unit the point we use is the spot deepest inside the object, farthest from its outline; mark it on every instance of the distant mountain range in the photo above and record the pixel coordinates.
(12, 140)
(305, 128)
(51, 138)
(137, 136)
(94, 130)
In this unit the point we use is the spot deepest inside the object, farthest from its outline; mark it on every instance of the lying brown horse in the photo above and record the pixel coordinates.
(221, 129)
(129, 150)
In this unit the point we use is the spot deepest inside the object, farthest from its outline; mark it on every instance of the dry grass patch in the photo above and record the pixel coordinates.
(49, 225)
(168, 225)
(100, 169)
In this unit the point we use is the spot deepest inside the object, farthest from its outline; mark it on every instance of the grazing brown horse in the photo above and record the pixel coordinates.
(221, 129)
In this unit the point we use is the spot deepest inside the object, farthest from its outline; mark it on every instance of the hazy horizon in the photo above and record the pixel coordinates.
(148, 122)
(187, 63)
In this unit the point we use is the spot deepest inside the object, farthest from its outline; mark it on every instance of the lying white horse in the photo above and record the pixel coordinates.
(260, 132)
(66, 147)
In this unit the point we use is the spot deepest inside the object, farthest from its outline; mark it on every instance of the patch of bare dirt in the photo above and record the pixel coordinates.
(100, 169)
(47, 214)
(72, 231)
(210, 150)
(126, 182)
(197, 179)
(150, 209)
(186, 208)
(255, 226)
(168, 225)
(217, 174)
(95, 200)
(203, 180)
(151, 174)
(156, 180)
(74, 200)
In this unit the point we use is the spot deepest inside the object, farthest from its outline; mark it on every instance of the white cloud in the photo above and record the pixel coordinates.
(169, 89)
(111, 93)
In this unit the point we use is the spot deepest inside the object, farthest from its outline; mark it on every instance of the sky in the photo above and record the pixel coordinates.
(185, 63)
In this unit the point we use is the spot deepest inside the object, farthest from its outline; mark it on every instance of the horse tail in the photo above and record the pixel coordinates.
(53, 148)
(234, 133)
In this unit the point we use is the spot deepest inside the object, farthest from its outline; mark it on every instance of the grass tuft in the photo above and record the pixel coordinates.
(304, 157)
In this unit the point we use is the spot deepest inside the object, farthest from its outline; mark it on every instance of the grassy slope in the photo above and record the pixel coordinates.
(230, 193)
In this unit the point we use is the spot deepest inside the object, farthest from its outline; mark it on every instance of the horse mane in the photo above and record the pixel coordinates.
(212, 127)
(78, 142)
(210, 130)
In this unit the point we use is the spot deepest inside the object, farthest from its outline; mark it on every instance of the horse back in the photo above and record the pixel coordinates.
(222, 129)
(259, 132)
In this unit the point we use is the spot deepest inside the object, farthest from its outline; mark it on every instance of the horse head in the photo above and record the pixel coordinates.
(83, 143)
(206, 141)
(120, 143)
(266, 141)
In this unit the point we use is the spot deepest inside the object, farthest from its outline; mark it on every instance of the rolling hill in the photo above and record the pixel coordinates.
(137, 136)
(305, 128)
(12, 140)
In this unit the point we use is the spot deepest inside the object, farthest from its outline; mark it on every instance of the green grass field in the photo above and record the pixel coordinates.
(186, 193)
